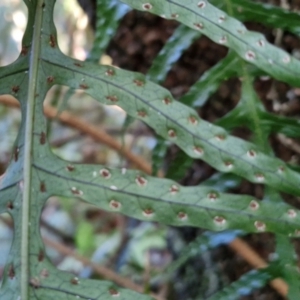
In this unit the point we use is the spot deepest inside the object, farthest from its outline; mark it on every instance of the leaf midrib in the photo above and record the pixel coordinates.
(28, 148)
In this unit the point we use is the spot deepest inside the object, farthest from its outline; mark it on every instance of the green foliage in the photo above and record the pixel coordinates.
(244, 286)
(246, 10)
(106, 27)
(35, 173)
(200, 245)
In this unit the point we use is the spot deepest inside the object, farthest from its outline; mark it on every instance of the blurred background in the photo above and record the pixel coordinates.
(175, 263)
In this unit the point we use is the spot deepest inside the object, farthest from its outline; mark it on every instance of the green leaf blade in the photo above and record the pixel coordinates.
(175, 122)
(180, 40)
(161, 200)
(244, 286)
(265, 13)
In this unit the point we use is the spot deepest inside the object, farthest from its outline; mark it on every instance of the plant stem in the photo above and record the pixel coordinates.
(28, 148)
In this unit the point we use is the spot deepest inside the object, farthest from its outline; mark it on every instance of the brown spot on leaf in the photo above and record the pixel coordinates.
(75, 191)
(11, 272)
(44, 273)
(167, 100)
(24, 50)
(109, 72)
(174, 189)
(201, 4)
(254, 205)
(260, 177)
(219, 220)
(260, 226)
(221, 19)
(250, 55)
(193, 120)
(140, 180)
(212, 196)
(105, 173)
(78, 65)
(114, 204)
(35, 282)
(139, 82)
(42, 138)
(16, 154)
(147, 6)
(10, 205)
(41, 255)
(220, 137)
(199, 25)
(15, 89)
(142, 114)
(112, 98)
(292, 213)
(182, 215)
(83, 86)
(228, 164)
(172, 133)
(52, 41)
(50, 79)
(74, 281)
(42, 187)
(251, 153)
(114, 292)
(70, 168)
(148, 212)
